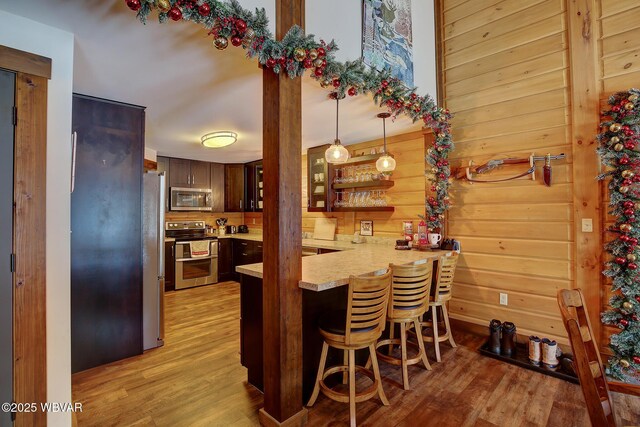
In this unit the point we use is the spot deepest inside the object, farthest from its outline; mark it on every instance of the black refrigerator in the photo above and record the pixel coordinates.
(106, 232)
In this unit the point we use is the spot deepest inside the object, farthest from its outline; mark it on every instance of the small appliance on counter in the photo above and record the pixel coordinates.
(232, 229)
(243, 229)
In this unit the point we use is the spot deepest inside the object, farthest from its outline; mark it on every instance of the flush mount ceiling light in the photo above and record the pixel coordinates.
(219, 139)
(336, 153)
(385, 163)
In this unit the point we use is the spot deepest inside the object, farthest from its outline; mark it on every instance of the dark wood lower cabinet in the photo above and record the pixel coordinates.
(314, 304)
(226, 269)
(169, 266)
(106, 225)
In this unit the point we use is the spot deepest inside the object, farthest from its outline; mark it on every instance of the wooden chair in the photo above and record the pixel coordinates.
(408, 301)
(359, 328)
(442, 294)
(587, 362)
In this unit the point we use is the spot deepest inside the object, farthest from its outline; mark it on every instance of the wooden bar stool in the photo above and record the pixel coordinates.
(408, 301)
(442, 294)
(359, 327)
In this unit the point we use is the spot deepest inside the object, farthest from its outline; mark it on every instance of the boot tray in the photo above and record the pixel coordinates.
(521, 358)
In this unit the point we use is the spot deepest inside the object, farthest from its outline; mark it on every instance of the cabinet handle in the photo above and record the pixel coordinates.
(189, 179)
(173, 254)
(193, 178)
(241, 205)
(252, 205)
(243, 254)
(74, 143)
(243, 243)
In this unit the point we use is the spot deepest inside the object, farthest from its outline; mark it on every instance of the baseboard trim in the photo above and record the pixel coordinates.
(296, 420)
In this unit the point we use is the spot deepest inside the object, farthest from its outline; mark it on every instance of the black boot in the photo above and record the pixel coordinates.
(508, 342)
(495, 326)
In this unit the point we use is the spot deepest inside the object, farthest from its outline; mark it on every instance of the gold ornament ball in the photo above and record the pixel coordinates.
(618, 147)
(248, 38)
(624, 363)
(221, 43)
(623, 189)
(164, 5)
(629, 106)
(388, 92)
(633, 98)
(631, 257)
(615, 127)
(637, 206)
(625, 228)
(325, 83)
(299, 54)
(614, 140)
(313, 54)
(627, 305)
(627, 174)
(318, 62)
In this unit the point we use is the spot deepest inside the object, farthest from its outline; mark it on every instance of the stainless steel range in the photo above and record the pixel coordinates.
(196, 254)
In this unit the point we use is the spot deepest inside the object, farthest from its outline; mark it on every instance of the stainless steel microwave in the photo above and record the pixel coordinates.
(191, 199)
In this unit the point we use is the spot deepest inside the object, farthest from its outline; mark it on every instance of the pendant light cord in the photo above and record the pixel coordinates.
(337, 110)
(384, 133)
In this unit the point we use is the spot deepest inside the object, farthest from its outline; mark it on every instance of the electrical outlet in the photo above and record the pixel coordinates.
(587, 225)
(504, 300)
(254, 220)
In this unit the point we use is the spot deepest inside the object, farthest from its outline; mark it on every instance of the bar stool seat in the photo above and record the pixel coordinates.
(358, 327)
(442, 294)
(409, 299)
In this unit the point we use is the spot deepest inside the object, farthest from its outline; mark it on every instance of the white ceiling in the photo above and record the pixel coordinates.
(190, 88)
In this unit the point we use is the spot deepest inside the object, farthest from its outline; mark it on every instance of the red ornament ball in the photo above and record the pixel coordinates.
(236, 41)
(384, 83)
(636, 360)
(620, 260)
(624, 322)
(615, 108)
(638, 298)
(623, 161)
(204, 9)
(175, 13)
(336, 83)
(321, 52)
(628, 204)
(307, 63)
(271, 63)
(352, 91)
(319, 71)
(629, 212)
(632, 266)
(633, 240)
(634, 317)
(134, 5)
(241, 26)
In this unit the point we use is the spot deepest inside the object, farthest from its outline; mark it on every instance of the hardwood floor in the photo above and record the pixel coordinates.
(196, 380)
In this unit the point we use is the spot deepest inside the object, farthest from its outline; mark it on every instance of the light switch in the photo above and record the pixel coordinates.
(587, 225)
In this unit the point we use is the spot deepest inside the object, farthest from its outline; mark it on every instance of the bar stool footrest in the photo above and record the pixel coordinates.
(394, 360)
(361, 396)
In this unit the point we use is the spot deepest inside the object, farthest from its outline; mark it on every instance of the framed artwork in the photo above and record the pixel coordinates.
(387, 41)
(366, 228)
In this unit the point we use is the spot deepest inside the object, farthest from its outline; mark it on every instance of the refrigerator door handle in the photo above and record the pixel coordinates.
(74, 143)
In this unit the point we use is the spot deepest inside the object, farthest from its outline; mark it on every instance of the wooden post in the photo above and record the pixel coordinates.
(581, 16)
(282, 298)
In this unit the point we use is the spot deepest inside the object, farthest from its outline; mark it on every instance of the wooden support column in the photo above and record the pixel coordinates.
(282, 298)
(585, 97)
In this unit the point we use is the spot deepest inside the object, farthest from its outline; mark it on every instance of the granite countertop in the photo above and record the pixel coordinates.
(327, 271)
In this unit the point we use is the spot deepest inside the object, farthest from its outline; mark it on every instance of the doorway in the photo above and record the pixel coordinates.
(7, 103)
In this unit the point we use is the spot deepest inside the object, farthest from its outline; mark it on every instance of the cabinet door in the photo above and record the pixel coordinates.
(217, 187)
(250, 187)
(318, 180)
(242, 252)
(169, 266)
(200, 174)
(259, 178)
(234, 188)
(226, 267)
(180, 173)
(163, 166)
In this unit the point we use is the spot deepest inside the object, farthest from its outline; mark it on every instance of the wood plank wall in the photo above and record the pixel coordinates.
(407, 195)
(506, 81)
(619, 51)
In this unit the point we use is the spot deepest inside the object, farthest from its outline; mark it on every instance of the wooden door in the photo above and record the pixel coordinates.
(200, 174)
(163, 166)
(217, 187)
(180, 173)
(234, 188)
(106, 248)
(7, 102)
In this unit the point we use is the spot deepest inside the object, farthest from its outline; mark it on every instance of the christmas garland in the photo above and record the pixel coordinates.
(618, 149)
(228, 22)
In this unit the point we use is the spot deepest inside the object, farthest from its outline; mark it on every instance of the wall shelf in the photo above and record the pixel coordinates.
(368, 158)
(366, 209)
(365, 184)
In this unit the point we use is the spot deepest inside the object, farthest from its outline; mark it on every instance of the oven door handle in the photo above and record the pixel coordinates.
(196, 259)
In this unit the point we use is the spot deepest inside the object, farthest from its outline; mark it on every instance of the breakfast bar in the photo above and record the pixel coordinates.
(323, 290)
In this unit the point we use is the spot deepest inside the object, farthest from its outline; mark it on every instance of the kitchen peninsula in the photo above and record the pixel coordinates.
(323, 290)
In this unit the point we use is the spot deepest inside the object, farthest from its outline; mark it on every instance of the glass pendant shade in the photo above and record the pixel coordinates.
(336, 153)
(385, 163)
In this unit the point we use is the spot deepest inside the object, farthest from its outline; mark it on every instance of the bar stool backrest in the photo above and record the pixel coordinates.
(446, 270)
(587, 363)
(410, 290)
(367, 308)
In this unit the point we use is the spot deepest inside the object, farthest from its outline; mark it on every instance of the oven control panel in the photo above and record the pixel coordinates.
(185, 225)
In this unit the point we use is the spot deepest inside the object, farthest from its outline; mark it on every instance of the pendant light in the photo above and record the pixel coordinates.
(336, 153)
(385, 163)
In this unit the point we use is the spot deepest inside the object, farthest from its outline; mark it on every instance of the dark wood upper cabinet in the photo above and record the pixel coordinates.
(200, 174)
(189, 173)
(253, 186)
(180, 173)
(234, 188)
(217, 187)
